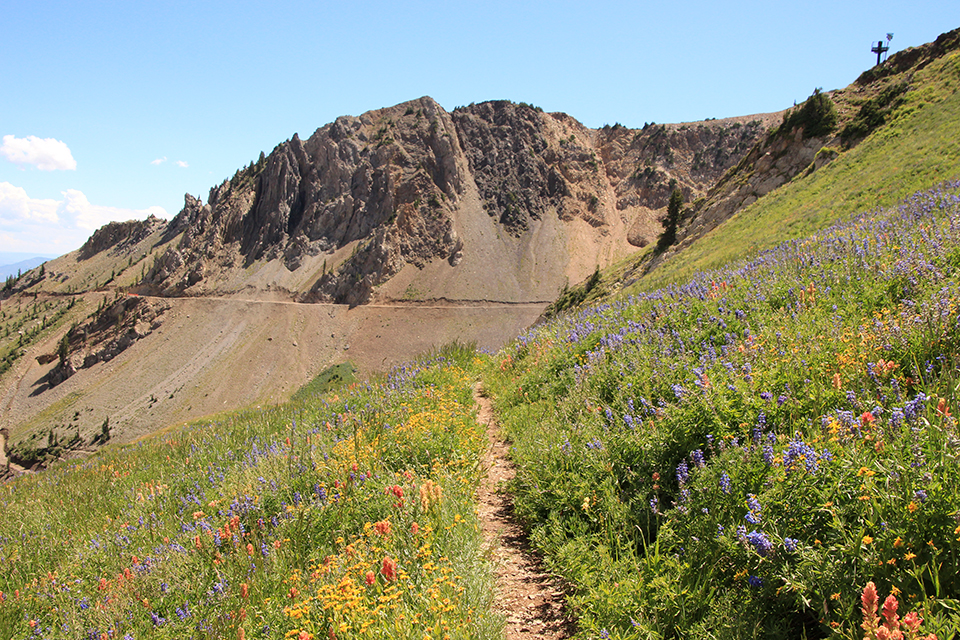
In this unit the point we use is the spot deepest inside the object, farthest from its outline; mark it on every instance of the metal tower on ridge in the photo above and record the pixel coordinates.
(881, 48)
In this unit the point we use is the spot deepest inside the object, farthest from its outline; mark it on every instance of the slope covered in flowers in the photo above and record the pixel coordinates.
(737, 457)
(330, 517)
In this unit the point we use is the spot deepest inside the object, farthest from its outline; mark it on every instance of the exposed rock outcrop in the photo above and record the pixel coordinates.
(387, 180)
(391, 183)
(768, 165)
(117, 236)
(506, 147)
(109, 332)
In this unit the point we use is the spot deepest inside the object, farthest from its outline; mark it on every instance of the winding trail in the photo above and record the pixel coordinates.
(530, 599)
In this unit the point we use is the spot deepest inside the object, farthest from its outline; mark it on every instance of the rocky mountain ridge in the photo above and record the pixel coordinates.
(380, 237)
(394, 185)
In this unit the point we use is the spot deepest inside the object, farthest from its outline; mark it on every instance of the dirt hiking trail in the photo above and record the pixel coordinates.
(530, 599)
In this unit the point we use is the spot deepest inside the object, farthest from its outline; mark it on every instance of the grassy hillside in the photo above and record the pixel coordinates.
(739, 456)
(347, 514)
(914, 150)
(735, 457)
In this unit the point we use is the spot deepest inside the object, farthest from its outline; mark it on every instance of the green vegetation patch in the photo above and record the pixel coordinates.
(916, 149)
(330, 379)
(740, 455)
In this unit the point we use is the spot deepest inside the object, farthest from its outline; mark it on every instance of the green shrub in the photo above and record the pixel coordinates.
(874, 112)
(817, 116)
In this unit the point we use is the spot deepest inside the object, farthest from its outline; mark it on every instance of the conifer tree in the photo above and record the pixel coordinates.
(671, 221)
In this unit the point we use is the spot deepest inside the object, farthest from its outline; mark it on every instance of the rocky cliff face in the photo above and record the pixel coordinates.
(118, 236)
(391, 183)
(386, 180)
(106, 334)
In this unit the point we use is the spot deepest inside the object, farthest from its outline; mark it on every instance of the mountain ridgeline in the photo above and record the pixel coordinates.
(389, 234)
(396, 184)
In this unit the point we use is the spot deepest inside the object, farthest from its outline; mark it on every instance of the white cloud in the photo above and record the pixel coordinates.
(158, 161)
(15, 204)
(47, 154)
(182, 164)
(56, 226)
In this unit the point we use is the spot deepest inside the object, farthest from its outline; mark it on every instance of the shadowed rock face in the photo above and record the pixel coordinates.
(505, 146)
(393, 181)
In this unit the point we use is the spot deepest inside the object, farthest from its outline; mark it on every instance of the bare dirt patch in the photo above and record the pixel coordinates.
(530, 599)
(223, 353)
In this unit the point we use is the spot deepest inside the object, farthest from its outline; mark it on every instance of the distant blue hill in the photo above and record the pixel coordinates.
(24, 262)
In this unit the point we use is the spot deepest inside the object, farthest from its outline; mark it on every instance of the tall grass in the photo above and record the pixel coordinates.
(738, 456)
(345, 515)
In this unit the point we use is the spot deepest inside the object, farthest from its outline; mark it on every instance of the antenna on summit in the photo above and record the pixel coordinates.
(881, 49)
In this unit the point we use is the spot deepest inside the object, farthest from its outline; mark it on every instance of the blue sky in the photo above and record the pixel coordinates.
(114, 110)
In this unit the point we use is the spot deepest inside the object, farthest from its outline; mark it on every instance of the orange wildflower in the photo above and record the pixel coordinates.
(942, 408)
(869, 608)
(389, 568)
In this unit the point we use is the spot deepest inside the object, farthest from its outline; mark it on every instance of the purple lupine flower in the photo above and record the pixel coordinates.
(724, 482)
(753, 515)
(759, 541)
(768, 454)
(697, 457)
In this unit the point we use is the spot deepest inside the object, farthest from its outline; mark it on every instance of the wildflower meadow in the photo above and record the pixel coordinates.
(347, 515)
(738, 456)
(769, 450)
